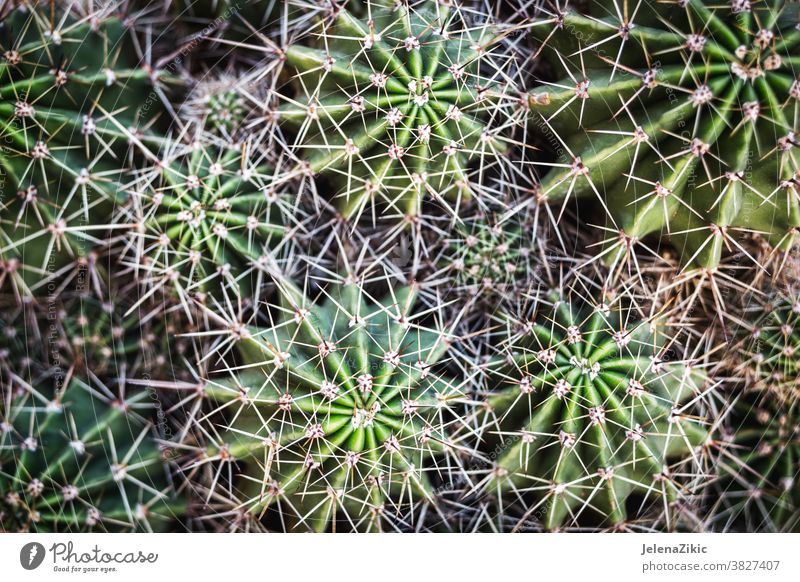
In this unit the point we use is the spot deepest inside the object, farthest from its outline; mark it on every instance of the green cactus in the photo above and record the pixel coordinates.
(395, 106)
(207, 218)
(589, 415)
(757, 487)
(491, 257)
(76, 456)
(68, 95)
(680, 117)
(225, 112)
(772, 350)
(340, 412)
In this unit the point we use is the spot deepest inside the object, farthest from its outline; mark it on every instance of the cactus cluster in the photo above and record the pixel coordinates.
(399, 266)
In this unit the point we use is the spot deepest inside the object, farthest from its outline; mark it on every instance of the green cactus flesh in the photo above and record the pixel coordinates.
(67, 99)
(681, 118)
(79, 458)
(589, 415)
(339, 410)
(393, 107)
(209, 216)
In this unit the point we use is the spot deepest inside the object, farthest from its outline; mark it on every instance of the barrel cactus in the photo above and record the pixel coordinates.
(340, 415)
(772, 349)
(589, 413)
(69, 94)
(76, 456)
(680, 117)
(394, 105)
(757, 484)
(205, 218)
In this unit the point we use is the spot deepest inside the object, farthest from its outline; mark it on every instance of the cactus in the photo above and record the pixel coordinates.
(68, 95)
(206, 218)
(680, 118)
(78, 450)
(339, 410)
(590, 417)
(757, 487)
(79, 457)
(219, 108)
(772, 348)
(490, 257)
(395, 106)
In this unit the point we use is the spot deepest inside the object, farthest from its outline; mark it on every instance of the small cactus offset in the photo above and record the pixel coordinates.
(681, 118)
(339, 410)
(394, 106)
(490, 257)
(588, 415)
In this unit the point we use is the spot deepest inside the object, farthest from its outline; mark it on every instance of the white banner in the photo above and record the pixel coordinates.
(334, 557)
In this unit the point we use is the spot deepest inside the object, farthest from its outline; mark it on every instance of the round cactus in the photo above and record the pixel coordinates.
(76, 456)
(757, 487)
(772, 350)
(490, 256)
(340, 410)
(680, 118)
(589, 415)
(225, 111)
(68, 96)
(217, 106)
(395, 106)
(206, 217)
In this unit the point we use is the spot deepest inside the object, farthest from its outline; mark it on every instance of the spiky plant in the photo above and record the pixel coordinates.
(491, 257)
(771, 351)
(680, 117)
(106, 336)
(220, 108)
(76, 456)
(340, 416)
(584, 416)
(206, 217)
(69, 92)
(757, 488)
(398, 105)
